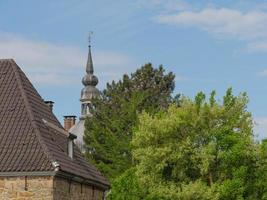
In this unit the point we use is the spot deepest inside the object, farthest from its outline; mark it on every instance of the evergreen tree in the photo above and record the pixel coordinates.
(109, 130)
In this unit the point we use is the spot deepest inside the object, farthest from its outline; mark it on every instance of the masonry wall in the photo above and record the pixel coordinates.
(46, 188)
(29, 188)
(70, 190)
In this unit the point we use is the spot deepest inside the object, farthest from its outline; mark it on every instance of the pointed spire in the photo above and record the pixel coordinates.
(89, 66)
(89, 81)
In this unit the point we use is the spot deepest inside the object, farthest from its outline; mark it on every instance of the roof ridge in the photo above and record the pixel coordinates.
(6, 59)
(15, 68)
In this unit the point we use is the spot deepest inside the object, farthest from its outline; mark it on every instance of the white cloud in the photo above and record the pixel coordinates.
(36, 54)
(264, 73)
(260, 127)
(48, 63)
(165, 5)
(249, 26)
(180, 78)
(55, 79)
(257, 46)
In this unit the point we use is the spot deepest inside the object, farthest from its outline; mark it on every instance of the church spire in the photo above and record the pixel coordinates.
(89, 66)
(89, 81)
(89, 78)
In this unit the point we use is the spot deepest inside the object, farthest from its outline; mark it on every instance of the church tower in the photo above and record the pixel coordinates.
(88, 93)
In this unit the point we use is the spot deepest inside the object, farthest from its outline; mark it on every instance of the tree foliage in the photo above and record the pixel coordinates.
(109, 130)
(155, 147)
(261, 182)
(202, 149)
(127, 186)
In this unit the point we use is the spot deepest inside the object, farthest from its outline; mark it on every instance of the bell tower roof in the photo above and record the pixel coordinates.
(89, 66)
(90, 82)
(89, 78)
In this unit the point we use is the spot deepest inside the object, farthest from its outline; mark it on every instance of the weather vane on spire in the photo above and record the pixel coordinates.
(90, 37)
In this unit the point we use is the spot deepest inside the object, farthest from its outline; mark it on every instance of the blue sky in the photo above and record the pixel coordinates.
(207, 44)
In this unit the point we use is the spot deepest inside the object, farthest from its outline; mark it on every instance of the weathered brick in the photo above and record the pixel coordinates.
(2, 184)
(46, 188)
(14, 188)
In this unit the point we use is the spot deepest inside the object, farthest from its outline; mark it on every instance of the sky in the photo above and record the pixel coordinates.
(209, 45)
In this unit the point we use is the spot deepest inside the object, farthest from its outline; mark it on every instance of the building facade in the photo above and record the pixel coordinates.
(38, 157)
(46, 188)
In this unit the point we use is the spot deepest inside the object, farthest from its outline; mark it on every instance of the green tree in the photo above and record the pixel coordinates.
(109, 130)
(127, 187)
(202, 149)
(262, 171)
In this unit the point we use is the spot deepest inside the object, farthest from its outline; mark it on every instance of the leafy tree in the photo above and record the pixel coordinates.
(109, 130)
(127, 186)
(202, 149)
(262, 171)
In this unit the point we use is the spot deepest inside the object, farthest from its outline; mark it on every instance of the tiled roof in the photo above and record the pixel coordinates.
(27, 143)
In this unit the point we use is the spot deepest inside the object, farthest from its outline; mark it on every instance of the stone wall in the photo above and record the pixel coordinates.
(46, 188)
(70, 190)
(26, 188)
